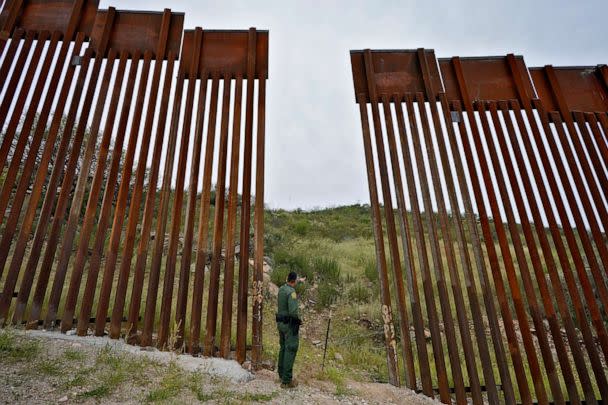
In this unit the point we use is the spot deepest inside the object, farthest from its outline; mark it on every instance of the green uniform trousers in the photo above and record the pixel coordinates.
(289, 342)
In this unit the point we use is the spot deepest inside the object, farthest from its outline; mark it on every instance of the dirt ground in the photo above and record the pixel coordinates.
(48, 368)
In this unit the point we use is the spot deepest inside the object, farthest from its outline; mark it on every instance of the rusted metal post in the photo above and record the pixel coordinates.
(16, 117)
(258, 273)
(413, 290)
(133, 216)
(202, 251)
(12, 88)
(218, 226)
(49, 198)
(120, 205)
(148, 214)
(161, 221)
(182, 294)
(404, 324)
(487, 233)
(389, 334)
(242, 305)
(226, 326)
(165, 313)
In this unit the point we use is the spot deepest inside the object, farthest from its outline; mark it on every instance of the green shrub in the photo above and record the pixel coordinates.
(343, 223)
(301, 227)
(7, 341)
(327, 294)
(359, 294)
(49, 367)
(350, 278)
(279, 274)
(272, 241)
(371, 272)
(294, 262)
(336, 376)
(327, 270)
(74, 355)
(169, 387)
(12, 348)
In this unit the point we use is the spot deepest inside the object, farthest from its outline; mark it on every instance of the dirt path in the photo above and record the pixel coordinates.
(53, 368)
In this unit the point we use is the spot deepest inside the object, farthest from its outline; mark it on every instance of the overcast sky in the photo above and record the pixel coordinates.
(314, 149)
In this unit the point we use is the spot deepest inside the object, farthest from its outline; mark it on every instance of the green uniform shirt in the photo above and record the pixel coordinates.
(288, 301)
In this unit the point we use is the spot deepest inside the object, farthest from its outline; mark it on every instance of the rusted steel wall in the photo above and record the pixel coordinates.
(128, 154)
(488, 186)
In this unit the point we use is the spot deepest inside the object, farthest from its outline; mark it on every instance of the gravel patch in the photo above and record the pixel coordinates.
(227, 369)
(70, 369)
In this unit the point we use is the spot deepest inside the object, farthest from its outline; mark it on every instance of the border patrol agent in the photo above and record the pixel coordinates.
(288, 324)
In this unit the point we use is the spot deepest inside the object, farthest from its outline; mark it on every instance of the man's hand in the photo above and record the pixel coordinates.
(301, 279)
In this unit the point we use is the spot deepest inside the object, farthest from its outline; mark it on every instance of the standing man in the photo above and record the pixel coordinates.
(288, 324)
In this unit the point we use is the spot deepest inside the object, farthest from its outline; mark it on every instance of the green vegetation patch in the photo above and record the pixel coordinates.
(170, 386)
(13, 349)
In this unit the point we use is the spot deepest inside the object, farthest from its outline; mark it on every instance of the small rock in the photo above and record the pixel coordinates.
(316, 342)
(63, 399)
(338, 357)
(247, 365)
(71, 332)
(427, 334)
(75, 344)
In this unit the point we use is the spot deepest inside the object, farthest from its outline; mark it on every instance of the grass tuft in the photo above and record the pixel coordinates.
(170, 385)
(335, 376)
(327, 270)
(359, 294)
(14, 349)
(97, 392)
(327, 294)
(370, 271)
(301, 227)
(78, 380)
(73, 355)
(49, 367)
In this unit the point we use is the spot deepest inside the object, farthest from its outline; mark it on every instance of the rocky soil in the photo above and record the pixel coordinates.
(47, 367)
